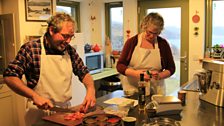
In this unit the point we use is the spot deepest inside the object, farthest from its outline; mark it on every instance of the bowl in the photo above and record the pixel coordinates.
(163, 121)
(129, 121)
(129, 92)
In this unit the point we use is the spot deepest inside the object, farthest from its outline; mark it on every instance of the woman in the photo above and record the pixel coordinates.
(147, 51)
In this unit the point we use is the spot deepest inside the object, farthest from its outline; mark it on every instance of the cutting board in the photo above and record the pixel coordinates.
(59, 118)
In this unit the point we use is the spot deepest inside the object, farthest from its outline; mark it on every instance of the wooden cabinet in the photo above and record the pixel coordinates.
(7, 40)
(7, 110)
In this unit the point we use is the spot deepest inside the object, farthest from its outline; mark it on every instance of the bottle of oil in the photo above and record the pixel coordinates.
(141, 93)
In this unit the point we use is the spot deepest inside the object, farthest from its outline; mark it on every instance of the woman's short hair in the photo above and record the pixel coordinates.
(152, 18)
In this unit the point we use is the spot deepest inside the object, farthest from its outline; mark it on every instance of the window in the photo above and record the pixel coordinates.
(65, 9)
(70, 7)
(214, 23)
(114, 24)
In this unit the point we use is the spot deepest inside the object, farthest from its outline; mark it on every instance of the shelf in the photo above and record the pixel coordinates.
(105, 73)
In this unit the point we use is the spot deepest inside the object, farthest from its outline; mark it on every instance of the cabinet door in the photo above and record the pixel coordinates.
(6, 107)
(7, 40)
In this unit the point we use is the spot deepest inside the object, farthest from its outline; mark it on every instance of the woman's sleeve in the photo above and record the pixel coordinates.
(124, 59)
(167, 59)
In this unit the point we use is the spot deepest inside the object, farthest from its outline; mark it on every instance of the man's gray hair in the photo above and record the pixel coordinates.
(57, 20)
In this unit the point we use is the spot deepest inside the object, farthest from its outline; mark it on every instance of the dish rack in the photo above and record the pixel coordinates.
(217, 52)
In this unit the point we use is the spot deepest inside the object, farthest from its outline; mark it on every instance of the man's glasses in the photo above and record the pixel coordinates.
(67, 36)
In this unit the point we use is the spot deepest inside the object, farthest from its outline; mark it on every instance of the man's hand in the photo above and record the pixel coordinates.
(41, 102)
(89, 101)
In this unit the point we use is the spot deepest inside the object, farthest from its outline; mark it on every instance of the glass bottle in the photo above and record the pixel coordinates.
(141, 93)
(207, 53)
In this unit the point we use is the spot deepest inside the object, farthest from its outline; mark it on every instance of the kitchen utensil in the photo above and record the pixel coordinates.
(60, 109)
(182, 96)
(60, 116)
(164, 105)
(129, 121)
(115, 110)
(163, 121)
(202, 81)
(102, 119)
(87, 48)
(212, 86)
(129, 92)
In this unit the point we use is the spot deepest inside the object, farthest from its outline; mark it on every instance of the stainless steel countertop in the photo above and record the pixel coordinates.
(195, 112)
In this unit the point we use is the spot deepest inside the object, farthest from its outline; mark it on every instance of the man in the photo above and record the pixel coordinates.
(47, 64)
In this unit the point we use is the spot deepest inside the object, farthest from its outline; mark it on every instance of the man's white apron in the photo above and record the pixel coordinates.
(54, 83)
(144, 59)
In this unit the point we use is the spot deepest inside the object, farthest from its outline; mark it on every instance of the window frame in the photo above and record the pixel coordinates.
(208, 24)
(108, 6)
(72, 4)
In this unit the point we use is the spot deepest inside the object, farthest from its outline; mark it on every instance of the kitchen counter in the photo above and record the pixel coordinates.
(105, 73)
(201, 113)
(195, 112)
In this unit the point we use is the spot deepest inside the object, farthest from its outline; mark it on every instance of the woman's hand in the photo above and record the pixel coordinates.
(154, 74)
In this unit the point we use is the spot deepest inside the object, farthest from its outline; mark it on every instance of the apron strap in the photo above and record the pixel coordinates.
(42, 46)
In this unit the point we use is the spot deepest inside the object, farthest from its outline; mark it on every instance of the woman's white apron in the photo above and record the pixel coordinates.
(144, 59)
(54, 83)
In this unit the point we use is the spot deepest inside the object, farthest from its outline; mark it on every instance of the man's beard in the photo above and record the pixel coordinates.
(51, 44)
(62, 46)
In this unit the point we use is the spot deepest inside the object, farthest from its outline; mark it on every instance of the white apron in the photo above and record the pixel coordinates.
(54, 83)
(144, 59)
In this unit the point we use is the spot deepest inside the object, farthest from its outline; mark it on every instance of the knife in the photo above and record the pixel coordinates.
(60, 109)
